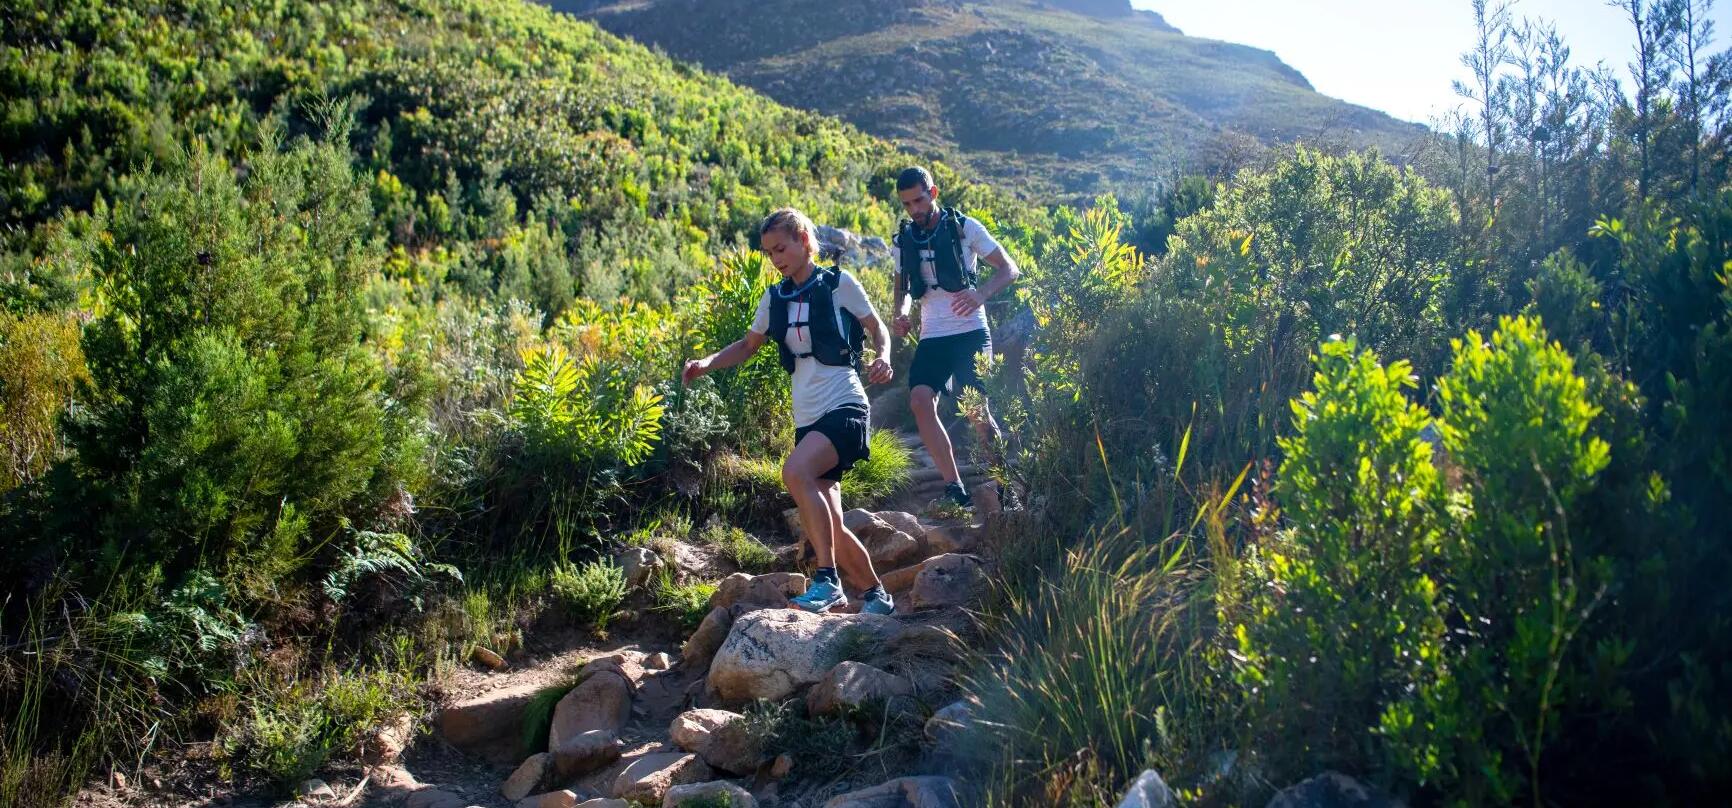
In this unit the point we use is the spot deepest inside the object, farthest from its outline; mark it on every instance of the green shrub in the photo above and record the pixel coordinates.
(291, 730)
(687, 602)
(1515, 420)
(874, 479)
(592, 592)
(1345, 624)
(738, 547)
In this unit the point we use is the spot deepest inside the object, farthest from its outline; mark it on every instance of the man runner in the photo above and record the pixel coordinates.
(938, 250)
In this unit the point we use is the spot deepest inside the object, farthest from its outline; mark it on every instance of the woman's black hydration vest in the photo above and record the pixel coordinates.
(945, 242)
(833, 343)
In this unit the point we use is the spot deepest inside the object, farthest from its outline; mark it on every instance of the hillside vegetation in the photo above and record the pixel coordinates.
(337, 340)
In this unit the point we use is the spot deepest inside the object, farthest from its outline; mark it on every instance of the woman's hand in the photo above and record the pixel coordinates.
(694, 368)
(879, 371)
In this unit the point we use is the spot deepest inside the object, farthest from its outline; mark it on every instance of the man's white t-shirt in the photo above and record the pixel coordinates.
(936, 317)
(819, 388)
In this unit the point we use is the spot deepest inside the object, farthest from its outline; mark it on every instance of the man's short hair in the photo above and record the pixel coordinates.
(913, 177)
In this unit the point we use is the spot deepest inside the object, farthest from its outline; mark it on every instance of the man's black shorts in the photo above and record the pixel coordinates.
(937, 360)
(845, 426)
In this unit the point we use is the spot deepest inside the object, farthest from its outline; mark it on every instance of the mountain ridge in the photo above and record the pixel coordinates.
(1065, 97)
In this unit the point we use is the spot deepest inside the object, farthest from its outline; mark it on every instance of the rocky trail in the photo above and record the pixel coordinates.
(659, 719)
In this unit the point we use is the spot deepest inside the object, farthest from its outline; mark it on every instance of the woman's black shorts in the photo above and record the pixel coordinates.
(846, 428)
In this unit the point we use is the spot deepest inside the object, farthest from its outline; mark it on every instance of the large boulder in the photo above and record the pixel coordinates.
(773, 652)
(720, 738)
(853, 685)
(715, 792)
(951, 579)
(648, 778)
(602, 701)
(903, 792)
(487, 726)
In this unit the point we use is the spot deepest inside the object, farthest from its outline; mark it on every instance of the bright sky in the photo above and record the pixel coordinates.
(1399, 57)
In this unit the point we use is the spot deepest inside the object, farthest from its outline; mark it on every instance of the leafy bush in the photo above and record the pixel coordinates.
(592, 592)
(291, 729)
(579, 412)
(1515, 420)
(1345, 623)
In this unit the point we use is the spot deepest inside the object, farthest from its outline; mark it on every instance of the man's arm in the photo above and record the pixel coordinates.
(899, 309)
(966, 301)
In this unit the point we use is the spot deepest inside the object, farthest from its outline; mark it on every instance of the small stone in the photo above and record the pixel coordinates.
(648, 778)
(488, 659)
(949, 722)
(637, 564)
(946, 580)
(586, 752)
(487, 725)
(768, 591)
(903, 792)
(1330, 790)
(316, 789)
(781, 767)
(854, 684)
(905, 522)
(604, 802)
(601, 701)
(711, 793)
(552, 799)
(719, 737)
(986, 501)
(385, 743)
(434, 798)
(658, 661)
(1148, 791)
(529, 777)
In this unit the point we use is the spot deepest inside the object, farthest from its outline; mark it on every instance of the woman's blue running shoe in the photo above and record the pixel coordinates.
(821, 595)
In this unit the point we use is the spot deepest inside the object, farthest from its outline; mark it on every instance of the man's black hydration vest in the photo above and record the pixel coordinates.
(945, 242)
(833, 343)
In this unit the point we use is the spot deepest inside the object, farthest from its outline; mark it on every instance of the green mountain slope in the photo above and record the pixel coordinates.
(1069, 96)
(478, 117)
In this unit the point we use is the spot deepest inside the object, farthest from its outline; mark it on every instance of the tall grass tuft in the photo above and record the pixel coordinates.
(1099, 673)
(884, 473)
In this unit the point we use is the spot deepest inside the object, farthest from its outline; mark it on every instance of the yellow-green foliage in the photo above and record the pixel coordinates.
(1346, 625)
(41, 363)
